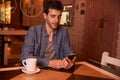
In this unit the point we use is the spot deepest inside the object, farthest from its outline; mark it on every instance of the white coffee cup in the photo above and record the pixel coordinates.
(30, 64)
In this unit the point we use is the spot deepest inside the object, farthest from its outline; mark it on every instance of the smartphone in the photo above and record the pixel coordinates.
(71, 56)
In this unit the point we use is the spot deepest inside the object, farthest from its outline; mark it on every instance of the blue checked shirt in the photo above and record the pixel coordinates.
(36, 41)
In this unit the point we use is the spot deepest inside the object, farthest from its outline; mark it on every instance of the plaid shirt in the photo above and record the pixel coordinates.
(36, 41)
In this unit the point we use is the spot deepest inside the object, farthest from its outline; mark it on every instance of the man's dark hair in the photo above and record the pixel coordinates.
(52, 4)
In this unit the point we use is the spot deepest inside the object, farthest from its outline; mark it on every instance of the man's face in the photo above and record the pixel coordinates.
(52, 18)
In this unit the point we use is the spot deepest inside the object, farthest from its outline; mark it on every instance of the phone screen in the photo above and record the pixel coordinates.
(71, 56)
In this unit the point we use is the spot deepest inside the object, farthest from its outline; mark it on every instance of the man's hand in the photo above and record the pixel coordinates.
(65, 63)
(56, 64)
(68, 63)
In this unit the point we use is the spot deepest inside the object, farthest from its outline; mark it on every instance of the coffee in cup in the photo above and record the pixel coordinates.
(30, 64)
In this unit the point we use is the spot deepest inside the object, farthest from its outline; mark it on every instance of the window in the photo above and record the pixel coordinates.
(5, 12)
(66, 15)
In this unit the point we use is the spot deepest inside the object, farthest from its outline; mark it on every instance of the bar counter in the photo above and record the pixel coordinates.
(3, 34)
(13, 32)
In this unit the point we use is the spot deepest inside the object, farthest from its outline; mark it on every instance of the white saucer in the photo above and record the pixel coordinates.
(30, 72)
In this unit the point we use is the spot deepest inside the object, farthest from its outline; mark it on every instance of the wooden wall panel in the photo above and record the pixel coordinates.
(100, 29)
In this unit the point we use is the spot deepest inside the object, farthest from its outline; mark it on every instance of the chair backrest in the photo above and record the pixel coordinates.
(107, 59)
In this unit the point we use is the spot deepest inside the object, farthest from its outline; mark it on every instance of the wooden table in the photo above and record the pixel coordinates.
(12, 33)
(82, 71)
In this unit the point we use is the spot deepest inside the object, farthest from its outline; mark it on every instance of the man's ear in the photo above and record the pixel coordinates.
(44, 15)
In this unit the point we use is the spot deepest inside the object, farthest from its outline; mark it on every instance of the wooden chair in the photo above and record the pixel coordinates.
(111, 60)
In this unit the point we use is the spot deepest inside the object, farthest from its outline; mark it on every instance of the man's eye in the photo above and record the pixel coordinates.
(52, 16)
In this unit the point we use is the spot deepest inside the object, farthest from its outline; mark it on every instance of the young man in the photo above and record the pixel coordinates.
(49, 42)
